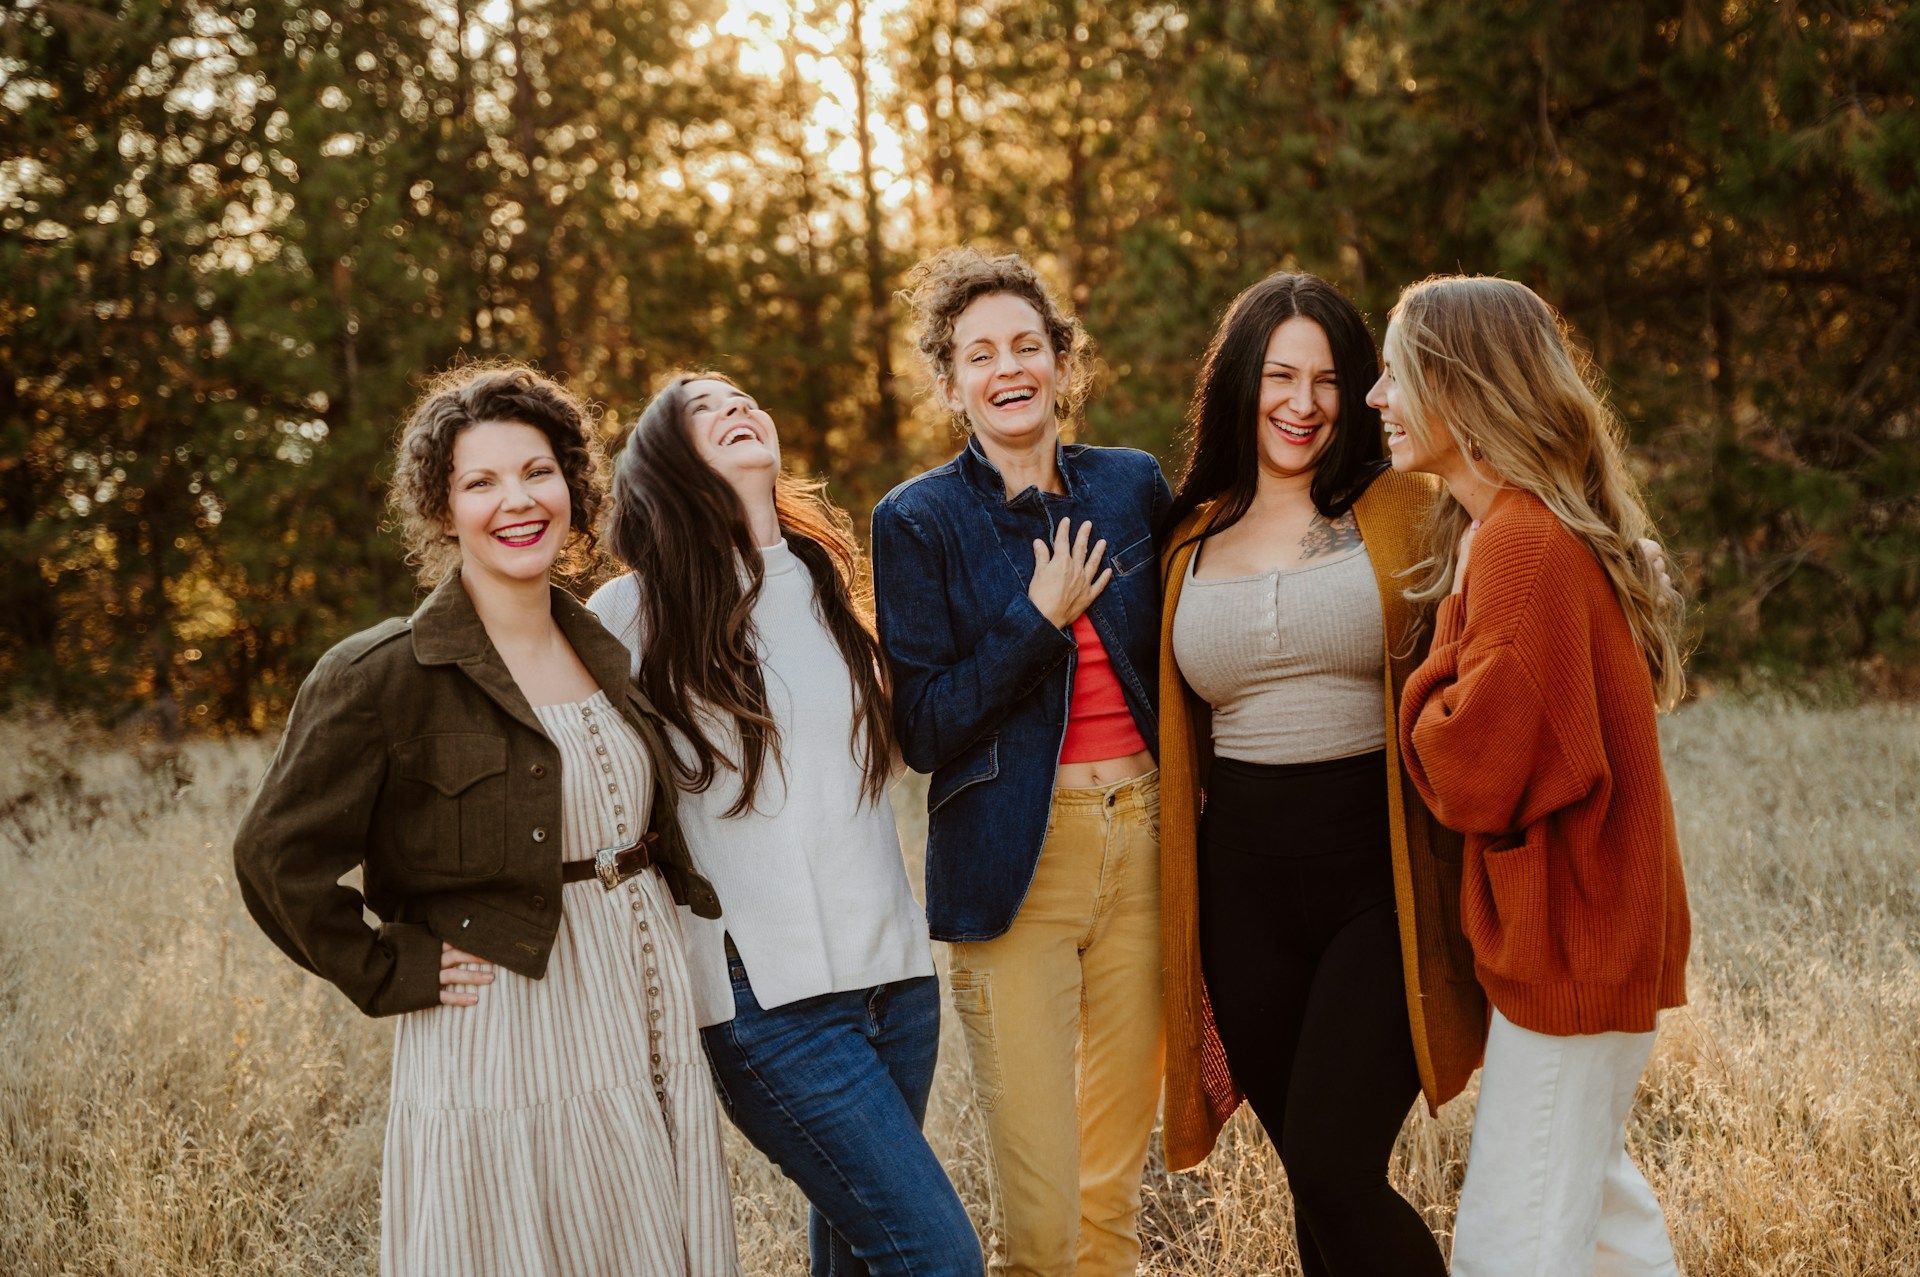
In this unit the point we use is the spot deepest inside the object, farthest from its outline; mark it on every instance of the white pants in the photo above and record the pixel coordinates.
(1550, 1190)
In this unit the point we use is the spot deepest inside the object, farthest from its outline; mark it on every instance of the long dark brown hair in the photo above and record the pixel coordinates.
(1223, 448)
(682, 531)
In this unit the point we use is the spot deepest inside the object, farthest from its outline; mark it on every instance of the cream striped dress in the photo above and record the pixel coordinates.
(566, 1125)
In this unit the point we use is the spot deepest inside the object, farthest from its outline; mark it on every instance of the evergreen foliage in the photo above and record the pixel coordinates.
(234, 237)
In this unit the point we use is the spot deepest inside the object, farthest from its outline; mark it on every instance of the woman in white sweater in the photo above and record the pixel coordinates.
(815, 988)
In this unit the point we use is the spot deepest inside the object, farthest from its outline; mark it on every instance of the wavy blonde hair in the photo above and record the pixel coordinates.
(1490, 363)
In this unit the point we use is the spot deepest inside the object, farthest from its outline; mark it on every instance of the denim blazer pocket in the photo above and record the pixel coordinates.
(979, 762)
(1136, 556)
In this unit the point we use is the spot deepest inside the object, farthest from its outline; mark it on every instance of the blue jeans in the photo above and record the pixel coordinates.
(833, 1090)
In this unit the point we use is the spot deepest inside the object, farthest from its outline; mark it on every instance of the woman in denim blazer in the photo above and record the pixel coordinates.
(1019, 608)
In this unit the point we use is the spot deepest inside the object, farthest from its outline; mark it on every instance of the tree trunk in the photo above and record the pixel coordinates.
(1079, 287)
(536, 243)
(883, 422)
(812, 390)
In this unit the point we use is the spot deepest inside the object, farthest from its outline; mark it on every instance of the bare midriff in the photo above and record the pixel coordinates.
(1108, 771)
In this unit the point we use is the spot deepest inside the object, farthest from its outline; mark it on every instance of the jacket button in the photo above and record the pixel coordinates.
(538, 770)
(539, 834)
(539, 902)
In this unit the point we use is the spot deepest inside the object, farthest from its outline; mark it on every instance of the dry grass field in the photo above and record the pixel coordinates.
(177, 1098)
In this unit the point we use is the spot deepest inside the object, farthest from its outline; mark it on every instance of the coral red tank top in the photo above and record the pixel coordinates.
(1099, 725)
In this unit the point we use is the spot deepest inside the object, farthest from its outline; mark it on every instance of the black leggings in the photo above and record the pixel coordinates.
(1301, 953)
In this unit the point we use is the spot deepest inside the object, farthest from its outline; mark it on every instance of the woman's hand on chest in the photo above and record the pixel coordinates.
(1068, 575)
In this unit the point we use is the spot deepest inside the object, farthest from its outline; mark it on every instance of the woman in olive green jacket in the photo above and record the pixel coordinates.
(489, 767)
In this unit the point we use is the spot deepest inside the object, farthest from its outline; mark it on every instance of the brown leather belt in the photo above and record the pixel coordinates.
(612, 865)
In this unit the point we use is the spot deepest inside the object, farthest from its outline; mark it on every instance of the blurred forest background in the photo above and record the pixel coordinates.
(233, 236)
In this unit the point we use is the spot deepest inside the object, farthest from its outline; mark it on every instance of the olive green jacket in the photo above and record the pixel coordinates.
(411, 753)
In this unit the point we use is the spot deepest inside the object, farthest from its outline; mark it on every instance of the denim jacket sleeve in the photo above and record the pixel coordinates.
(308, 824)
(947, 696)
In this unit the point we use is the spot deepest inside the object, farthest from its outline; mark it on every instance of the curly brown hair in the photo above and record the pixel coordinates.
(471, 395)
(945, 284)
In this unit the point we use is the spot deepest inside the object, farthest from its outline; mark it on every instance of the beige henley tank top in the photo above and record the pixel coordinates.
(1290, 660)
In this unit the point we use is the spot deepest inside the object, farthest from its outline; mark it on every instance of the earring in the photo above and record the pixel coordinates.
(1473, 449)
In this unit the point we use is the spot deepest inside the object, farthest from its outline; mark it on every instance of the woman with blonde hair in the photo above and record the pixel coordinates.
(1530, 727)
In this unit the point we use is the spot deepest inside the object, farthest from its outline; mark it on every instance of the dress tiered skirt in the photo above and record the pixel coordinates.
(565, 1125)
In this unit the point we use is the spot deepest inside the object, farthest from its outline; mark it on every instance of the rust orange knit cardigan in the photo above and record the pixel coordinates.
(1445, 1007)
(1530, 728)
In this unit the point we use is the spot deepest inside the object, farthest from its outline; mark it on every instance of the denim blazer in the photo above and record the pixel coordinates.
(981, 679)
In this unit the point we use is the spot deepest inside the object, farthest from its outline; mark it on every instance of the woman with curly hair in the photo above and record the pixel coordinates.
(504, 789)
(816, 992)
(1019, 609)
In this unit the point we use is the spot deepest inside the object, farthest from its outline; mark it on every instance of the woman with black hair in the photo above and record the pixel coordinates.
(1314, 961)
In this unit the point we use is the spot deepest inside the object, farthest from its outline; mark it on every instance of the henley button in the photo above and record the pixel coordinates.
(539, 902)
(539, 834)
(538, 770)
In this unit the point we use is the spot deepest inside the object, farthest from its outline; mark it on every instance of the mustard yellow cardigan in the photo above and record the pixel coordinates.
(1445, 1007)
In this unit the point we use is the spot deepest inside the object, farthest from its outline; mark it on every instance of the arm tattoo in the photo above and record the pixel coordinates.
(1324, 536)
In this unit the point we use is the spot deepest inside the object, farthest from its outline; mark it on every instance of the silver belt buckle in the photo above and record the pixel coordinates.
(606, 866)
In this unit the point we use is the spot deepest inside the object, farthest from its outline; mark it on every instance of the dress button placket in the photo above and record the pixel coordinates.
(637, 904)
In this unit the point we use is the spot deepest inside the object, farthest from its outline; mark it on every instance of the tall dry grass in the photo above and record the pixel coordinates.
(177, 1098)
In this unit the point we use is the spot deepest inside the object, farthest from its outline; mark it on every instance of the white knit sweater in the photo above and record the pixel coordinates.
(812, 885)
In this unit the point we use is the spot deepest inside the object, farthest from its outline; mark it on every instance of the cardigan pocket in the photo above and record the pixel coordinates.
(451, 800)
(1520, 932)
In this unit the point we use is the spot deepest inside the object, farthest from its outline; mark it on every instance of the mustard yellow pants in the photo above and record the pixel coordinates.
(1063, 1024)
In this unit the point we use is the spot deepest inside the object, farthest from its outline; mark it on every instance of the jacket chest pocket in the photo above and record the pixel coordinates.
(450, 793)
(1127, 561)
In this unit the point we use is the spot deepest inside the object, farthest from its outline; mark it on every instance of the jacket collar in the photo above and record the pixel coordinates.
(989, 482)
(448, 631)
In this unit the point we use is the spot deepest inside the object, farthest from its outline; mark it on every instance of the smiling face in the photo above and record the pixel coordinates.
(732, 433)
(1299, 398)
(508, 504)
(1006, 376)
(1413, 445)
